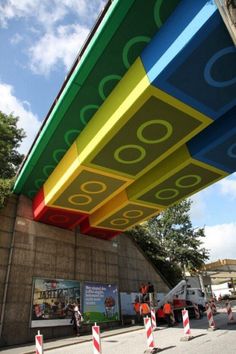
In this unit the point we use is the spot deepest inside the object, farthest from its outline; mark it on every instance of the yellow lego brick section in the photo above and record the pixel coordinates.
(111, 115)
(175, 178)
(137, 127)
(70, 166)
(120, 213)
(75, 187)
(62, 175)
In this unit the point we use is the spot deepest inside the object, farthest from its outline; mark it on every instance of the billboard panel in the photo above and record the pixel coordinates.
(100, 302)
(127, 301)
(52, 301)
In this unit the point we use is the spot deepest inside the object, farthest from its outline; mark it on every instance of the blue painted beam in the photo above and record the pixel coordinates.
(193, 59)
(216, 145)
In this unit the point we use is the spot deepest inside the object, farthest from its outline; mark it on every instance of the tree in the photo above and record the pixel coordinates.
(151, 247)
(171, 242)
(11, 137)
(6, 186)
(10, 158)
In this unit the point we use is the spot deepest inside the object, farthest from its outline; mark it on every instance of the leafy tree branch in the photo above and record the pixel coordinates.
(10, 159)
(171, 242)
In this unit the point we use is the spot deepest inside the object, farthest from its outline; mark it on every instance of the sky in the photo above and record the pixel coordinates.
(39, 40)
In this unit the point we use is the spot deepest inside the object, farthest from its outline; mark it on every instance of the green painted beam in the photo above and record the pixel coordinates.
(123, 33)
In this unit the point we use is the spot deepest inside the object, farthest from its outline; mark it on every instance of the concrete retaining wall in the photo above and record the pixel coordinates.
(30, 249)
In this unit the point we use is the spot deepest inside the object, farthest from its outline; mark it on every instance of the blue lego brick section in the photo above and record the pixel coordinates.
(197, 66)
(216, 145)
(182, 25)
(203, 74)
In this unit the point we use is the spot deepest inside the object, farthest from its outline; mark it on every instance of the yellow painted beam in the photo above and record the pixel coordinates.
(81, 188)
(97, 144)
(174, 179)
(121, 214)
(112, 114)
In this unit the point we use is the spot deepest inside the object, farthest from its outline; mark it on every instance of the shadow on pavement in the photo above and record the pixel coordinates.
(163, 349)
(110, 341)
(199, 335)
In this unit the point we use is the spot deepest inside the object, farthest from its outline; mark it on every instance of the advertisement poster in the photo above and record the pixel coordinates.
(127, 301)
(100, 302)
(53, 300)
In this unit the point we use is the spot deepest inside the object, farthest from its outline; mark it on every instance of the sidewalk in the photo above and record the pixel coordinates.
(64, 342)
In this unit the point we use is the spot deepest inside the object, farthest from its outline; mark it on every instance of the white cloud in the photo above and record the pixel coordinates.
(17, 38)
(9, 103)
(44, 12)
(198, 208)
(228, 187)
(47, 13)
(51, 42)
(15, 9)
(55, 48)
(221, 241)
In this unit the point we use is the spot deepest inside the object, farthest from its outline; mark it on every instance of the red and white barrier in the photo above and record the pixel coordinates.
(149, 333)
(196, 311)
(97, 348)
(230, 313)
(39, 343)
(210, 318)
(213, 307)
(153, 318)
(186, 324)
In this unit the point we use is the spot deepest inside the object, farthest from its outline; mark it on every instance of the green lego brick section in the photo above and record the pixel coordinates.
(38, 153)
(124, 32)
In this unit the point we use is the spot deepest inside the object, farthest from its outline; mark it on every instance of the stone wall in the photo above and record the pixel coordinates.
(30, 249)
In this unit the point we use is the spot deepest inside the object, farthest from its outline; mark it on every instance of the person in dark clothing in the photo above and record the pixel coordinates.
(143, 290)
(150, 288)
(76, 319)
(150, 292)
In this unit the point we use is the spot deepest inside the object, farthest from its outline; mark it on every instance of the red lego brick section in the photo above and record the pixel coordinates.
(38, 204)
(55, 216)
(61, 217)
(104, 234)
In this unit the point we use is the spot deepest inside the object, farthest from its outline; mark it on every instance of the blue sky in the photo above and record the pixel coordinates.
(39, 41)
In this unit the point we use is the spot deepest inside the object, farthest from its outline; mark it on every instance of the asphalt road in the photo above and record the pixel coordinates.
(221, 341)
(133, 340)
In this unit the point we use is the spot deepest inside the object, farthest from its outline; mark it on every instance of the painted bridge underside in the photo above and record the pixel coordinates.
(147, 118)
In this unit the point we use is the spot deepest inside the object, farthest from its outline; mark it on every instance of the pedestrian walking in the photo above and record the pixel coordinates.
(77, 319)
